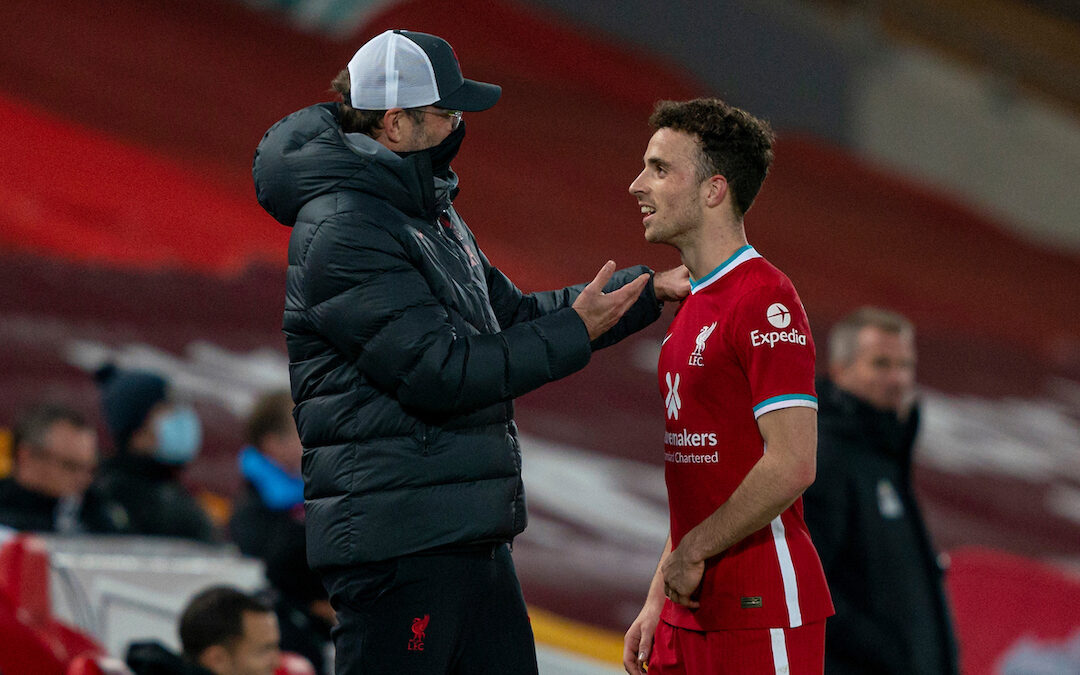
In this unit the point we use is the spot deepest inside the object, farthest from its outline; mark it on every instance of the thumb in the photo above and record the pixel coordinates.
(602, 277)
(645, 647)
(643, 657)
(628, 294)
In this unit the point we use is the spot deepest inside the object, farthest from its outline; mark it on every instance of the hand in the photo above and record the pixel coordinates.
(682, 576)
(599, 310)
(672, 285)
(638, 642)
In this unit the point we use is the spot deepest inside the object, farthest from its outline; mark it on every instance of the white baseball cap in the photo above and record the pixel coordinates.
(405, 69)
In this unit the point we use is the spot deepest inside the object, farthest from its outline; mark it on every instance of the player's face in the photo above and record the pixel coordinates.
(257, 652)
(882, 372)
(668, 189)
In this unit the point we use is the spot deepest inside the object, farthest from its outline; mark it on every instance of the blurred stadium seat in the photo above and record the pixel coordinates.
(31, 640)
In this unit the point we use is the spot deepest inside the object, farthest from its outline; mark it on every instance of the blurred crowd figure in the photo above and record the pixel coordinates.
(58, 485)
(223, 631)
(155, 437)
(886, 580)
(268, 523)
(55, 455)
(892, 616)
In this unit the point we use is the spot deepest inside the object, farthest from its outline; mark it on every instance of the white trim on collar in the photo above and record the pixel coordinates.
(739, 257)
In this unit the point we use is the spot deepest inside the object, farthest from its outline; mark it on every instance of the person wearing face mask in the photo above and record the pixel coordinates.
(892, 615)
(407, 347)
(155, 438)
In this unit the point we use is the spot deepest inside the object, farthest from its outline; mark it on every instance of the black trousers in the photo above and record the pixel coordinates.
(458, 611)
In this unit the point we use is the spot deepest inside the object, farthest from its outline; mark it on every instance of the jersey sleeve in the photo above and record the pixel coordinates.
(772, 340)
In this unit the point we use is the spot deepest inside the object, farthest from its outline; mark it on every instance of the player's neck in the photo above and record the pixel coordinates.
(711, 248)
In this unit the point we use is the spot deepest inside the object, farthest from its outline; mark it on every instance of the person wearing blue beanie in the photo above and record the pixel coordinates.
(127, 397)
(154, 438)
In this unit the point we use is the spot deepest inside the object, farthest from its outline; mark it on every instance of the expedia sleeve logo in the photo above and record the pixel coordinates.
(779, 316)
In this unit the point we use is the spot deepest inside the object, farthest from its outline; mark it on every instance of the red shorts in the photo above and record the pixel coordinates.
(753, 651)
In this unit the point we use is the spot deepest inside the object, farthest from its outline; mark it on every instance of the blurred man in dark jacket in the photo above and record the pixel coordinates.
(55, 457)
(155, 438)
(891, 612)
(223, 631)
(407, 348)
(268, 523)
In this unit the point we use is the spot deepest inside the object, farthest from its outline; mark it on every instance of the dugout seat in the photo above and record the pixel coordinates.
(31, 641)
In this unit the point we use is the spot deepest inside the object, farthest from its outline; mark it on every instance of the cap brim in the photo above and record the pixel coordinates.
(471, 96)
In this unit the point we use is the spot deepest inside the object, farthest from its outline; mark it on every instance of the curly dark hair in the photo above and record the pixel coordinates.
(734, 143)
(360, 121)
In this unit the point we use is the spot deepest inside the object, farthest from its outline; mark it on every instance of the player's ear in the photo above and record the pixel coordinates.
(215, 658)
(716, 190)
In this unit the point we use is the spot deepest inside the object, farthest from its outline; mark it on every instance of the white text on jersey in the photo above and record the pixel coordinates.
(757, 338)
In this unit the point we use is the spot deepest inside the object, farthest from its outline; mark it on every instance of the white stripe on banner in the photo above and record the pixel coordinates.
(787, 572)
(779, 651)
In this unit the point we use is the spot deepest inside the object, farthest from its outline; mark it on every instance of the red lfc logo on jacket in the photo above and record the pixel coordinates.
(416, 644)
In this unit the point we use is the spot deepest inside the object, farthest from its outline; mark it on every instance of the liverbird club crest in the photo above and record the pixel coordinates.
(419, 626)
(696, 358)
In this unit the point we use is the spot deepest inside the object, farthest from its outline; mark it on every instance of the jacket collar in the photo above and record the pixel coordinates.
(12, 492)
(845, 414)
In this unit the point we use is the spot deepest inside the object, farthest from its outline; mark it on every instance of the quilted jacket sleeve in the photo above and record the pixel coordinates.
(512, 306)
(365, 296)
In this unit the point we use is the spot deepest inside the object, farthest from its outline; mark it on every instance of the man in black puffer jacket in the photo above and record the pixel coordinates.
(892, 617)
(407, 348)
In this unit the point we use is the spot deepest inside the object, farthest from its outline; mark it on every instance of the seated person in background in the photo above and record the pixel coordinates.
(273, 495)
(223, 631)
(154, 438)
(268, 523)
(55, 456)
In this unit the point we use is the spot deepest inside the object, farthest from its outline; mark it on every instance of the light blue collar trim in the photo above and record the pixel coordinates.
(739, 257)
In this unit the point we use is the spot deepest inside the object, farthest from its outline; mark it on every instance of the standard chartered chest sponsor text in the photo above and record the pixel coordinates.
(676, 457)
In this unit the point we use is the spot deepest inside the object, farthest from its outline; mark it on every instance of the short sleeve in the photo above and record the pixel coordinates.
(772, 340)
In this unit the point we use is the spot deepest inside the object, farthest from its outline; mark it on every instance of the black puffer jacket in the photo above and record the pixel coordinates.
(27, 510)
(406, 346)
(152, 658)
(891, 613)
(152, 498)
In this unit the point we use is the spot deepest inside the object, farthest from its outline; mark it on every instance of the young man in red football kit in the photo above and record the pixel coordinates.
(745, 589)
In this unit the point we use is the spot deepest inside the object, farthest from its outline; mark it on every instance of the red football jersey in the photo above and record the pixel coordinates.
(739, 347)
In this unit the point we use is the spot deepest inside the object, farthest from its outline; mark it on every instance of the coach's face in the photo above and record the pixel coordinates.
(434, 125)
(882, 371)
(669, 190)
